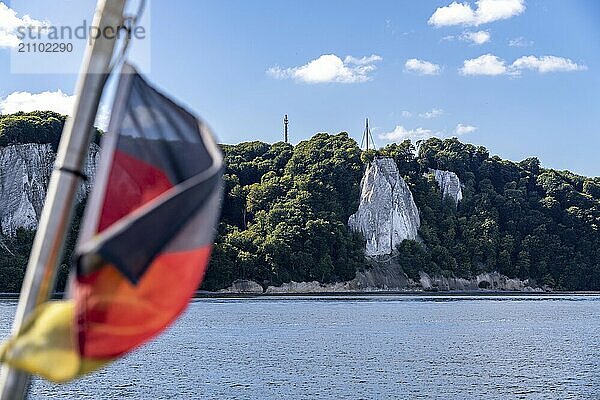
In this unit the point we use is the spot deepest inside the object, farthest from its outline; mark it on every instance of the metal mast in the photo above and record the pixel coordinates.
(64, 182)
(285, 128)
(367, 137)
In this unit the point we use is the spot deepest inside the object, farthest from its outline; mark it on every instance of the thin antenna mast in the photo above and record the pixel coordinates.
(285, 128)
(367, 137)
(367, 133)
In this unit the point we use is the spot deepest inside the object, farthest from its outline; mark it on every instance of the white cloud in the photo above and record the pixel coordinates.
(9, 22)
(422, 67)
(475, 37)
(367, 60)
(520, 42)
(56, 101)
(46, 101)
(463, 129)
(400, 133)
(487, 64)
(547, 64)
(479, 37)
(485, 11)
(8, 40)
(434, 113)
(453, 14)
(329, 68)
(406, 114)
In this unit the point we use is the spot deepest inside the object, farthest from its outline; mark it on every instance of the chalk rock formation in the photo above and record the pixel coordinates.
(449, 184)
(487, 281)
(24, 174)
(242, 286)
(389, 279)
(387, 213)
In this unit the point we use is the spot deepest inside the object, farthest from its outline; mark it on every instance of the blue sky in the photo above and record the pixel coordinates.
(520, 77)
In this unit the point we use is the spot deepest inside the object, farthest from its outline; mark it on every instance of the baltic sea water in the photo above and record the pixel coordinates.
(359, 347)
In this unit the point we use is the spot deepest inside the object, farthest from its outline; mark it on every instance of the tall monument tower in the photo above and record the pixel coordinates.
(285, 128)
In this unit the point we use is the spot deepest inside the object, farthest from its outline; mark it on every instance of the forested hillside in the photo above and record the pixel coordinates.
(285, 212)
(516, 218)
(33, 127)
(286, 209)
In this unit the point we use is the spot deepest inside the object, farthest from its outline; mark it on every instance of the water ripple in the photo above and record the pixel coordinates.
(352, 347)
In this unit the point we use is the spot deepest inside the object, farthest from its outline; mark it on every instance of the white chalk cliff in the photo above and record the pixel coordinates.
(387, 213)
(24, 174)
(449, 184)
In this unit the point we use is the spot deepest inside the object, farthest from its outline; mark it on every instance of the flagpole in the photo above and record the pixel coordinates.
(66, 177)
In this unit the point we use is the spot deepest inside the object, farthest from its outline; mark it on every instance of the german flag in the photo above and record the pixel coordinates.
(145, 241)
